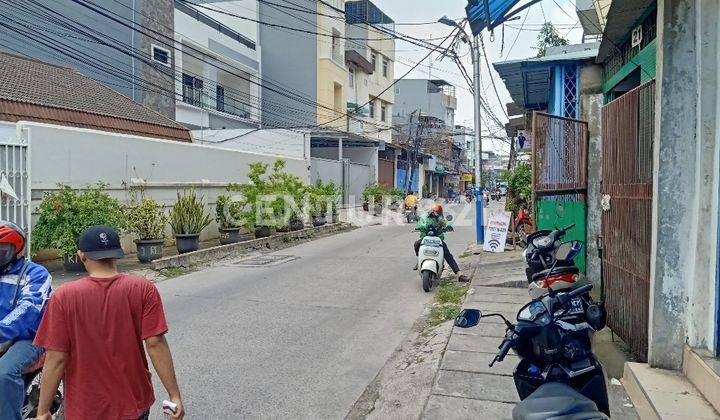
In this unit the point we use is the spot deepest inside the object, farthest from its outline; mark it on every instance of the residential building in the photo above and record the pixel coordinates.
(217, 57)
(464, 137)
(31, 90)
(118, 51)
(564, 85)
(432, 97)
(370, 58)
(332, 75)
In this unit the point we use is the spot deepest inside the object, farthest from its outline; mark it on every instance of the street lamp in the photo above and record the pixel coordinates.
(479, 221)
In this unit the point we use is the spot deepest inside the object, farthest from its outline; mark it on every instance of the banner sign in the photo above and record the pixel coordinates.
(496, 231)
(466, 177)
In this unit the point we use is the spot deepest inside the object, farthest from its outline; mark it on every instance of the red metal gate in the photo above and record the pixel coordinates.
(627, 133)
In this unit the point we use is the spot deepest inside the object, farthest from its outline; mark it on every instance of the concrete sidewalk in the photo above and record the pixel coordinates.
(465, 387)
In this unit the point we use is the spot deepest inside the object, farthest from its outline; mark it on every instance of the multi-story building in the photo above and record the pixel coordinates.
(117, 50)
(370, 58)
(197, 64)
(432, 97)
(464, 137)
(218, 58)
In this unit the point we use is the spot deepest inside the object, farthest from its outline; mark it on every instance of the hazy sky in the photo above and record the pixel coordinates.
(405, 11)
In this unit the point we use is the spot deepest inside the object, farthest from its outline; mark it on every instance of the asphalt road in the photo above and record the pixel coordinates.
(299, 339)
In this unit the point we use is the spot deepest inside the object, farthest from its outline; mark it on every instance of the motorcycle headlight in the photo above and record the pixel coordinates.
(531, 311)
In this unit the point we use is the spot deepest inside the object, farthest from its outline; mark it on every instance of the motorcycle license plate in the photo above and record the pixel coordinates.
(576, 306)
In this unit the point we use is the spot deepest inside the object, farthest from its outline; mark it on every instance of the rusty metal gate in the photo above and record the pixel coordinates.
(386, 173)
(627, 133)
(559, 176)
(15, 176)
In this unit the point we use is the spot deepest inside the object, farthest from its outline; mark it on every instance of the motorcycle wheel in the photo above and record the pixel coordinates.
(427, 278)
(522, 234)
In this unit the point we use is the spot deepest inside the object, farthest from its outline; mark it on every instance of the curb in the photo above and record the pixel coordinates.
(223, 251)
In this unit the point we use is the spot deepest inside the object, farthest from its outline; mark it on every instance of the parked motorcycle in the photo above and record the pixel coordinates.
(543, 266)
(558, 375)
(431, 256)
(523, 227)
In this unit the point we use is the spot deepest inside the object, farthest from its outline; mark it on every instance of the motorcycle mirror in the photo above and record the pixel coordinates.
(449, 217)
(568, 251)
(468, 318)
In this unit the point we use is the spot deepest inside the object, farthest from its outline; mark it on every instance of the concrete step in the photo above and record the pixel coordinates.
(703, 370)
(664, 394)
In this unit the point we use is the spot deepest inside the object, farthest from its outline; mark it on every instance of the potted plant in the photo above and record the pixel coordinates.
(64, 214)
(146, 219)
(331, 196)
(367, 195)
(397, 198)
(258, 214)
(228, 218)
(188, 219)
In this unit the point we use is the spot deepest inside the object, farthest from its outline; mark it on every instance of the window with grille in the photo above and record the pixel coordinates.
(371, 112)
(383, 112)
(385, 67)
(570, 92)
(373, 60)
(351, 73)
(192, 90)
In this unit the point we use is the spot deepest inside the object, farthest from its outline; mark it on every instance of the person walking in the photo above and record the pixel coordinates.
(93, 333)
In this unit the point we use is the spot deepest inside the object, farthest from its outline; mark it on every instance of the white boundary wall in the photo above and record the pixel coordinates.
(78, 157)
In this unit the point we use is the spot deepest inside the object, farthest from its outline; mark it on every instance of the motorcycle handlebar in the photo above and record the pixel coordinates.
(580, 291)
(504, 349)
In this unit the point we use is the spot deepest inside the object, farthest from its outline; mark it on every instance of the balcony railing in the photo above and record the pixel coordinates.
(193, 96)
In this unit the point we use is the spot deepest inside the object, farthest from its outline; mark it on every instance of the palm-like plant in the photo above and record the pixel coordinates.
(188, 216)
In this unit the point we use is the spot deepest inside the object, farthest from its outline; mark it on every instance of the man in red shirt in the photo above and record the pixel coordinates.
(93, 332)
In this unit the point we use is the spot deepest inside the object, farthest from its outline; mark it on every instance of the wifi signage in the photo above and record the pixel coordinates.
(496, 231)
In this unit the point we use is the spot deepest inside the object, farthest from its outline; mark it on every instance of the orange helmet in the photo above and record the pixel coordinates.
(437, 209)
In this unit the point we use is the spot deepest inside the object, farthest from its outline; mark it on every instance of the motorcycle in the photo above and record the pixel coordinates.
(31, 379)
(558, 375)
(468, 197)
(543, 266)
(411, 214)
(431, 256)
(523, 227)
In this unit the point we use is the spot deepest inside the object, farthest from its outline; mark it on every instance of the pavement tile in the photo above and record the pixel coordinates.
(479, 296)
(440, 407)
(487, 307)
(516, 291)
(473, 342)
(476, 386)
(472, 361)
(688, 405)
(486, 329)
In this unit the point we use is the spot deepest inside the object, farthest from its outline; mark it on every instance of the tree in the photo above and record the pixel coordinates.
(549, 37)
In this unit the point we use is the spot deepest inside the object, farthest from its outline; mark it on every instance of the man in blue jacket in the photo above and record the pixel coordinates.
(24, 292)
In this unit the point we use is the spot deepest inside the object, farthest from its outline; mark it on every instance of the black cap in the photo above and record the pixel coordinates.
(100, 242)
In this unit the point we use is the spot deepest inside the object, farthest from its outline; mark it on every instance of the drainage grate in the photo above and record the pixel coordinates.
(265, 260)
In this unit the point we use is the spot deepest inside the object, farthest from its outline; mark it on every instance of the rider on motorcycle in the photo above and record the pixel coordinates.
(24, 291)
(435, 219)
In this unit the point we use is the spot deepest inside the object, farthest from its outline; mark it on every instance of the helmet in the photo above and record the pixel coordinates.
(12, 243)
(437, 209)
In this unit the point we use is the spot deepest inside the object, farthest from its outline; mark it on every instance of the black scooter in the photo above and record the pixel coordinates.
(558, 375)
(539, 255)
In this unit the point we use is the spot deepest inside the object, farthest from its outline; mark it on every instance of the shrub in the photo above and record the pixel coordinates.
(66, 213)
(228, 213)
(146, 219)
(373, 193)
(188, 216)
(519, 187)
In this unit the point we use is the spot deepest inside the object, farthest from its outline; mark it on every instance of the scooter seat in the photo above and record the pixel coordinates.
(557, 401)
(558, 270)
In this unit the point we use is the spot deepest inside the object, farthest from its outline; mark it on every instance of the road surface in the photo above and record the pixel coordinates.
(296, 339)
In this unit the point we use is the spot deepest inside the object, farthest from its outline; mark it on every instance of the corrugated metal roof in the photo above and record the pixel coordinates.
(528, 80)
(478, 16)
(622, 17)
(37, 91)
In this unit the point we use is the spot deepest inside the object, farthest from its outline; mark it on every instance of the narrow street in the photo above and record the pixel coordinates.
(298, 339)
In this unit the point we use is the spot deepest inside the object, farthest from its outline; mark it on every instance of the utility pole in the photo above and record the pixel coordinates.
(479, 220)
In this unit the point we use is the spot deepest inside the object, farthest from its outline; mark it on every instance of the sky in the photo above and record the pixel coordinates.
(408, 11)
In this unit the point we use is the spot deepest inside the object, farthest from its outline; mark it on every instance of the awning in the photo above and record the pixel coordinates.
(528, 80)
(489, 14)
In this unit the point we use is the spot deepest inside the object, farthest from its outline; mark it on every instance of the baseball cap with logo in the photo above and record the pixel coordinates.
(100, 242)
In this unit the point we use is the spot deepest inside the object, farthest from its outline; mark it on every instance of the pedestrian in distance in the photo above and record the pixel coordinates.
(93, 333)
